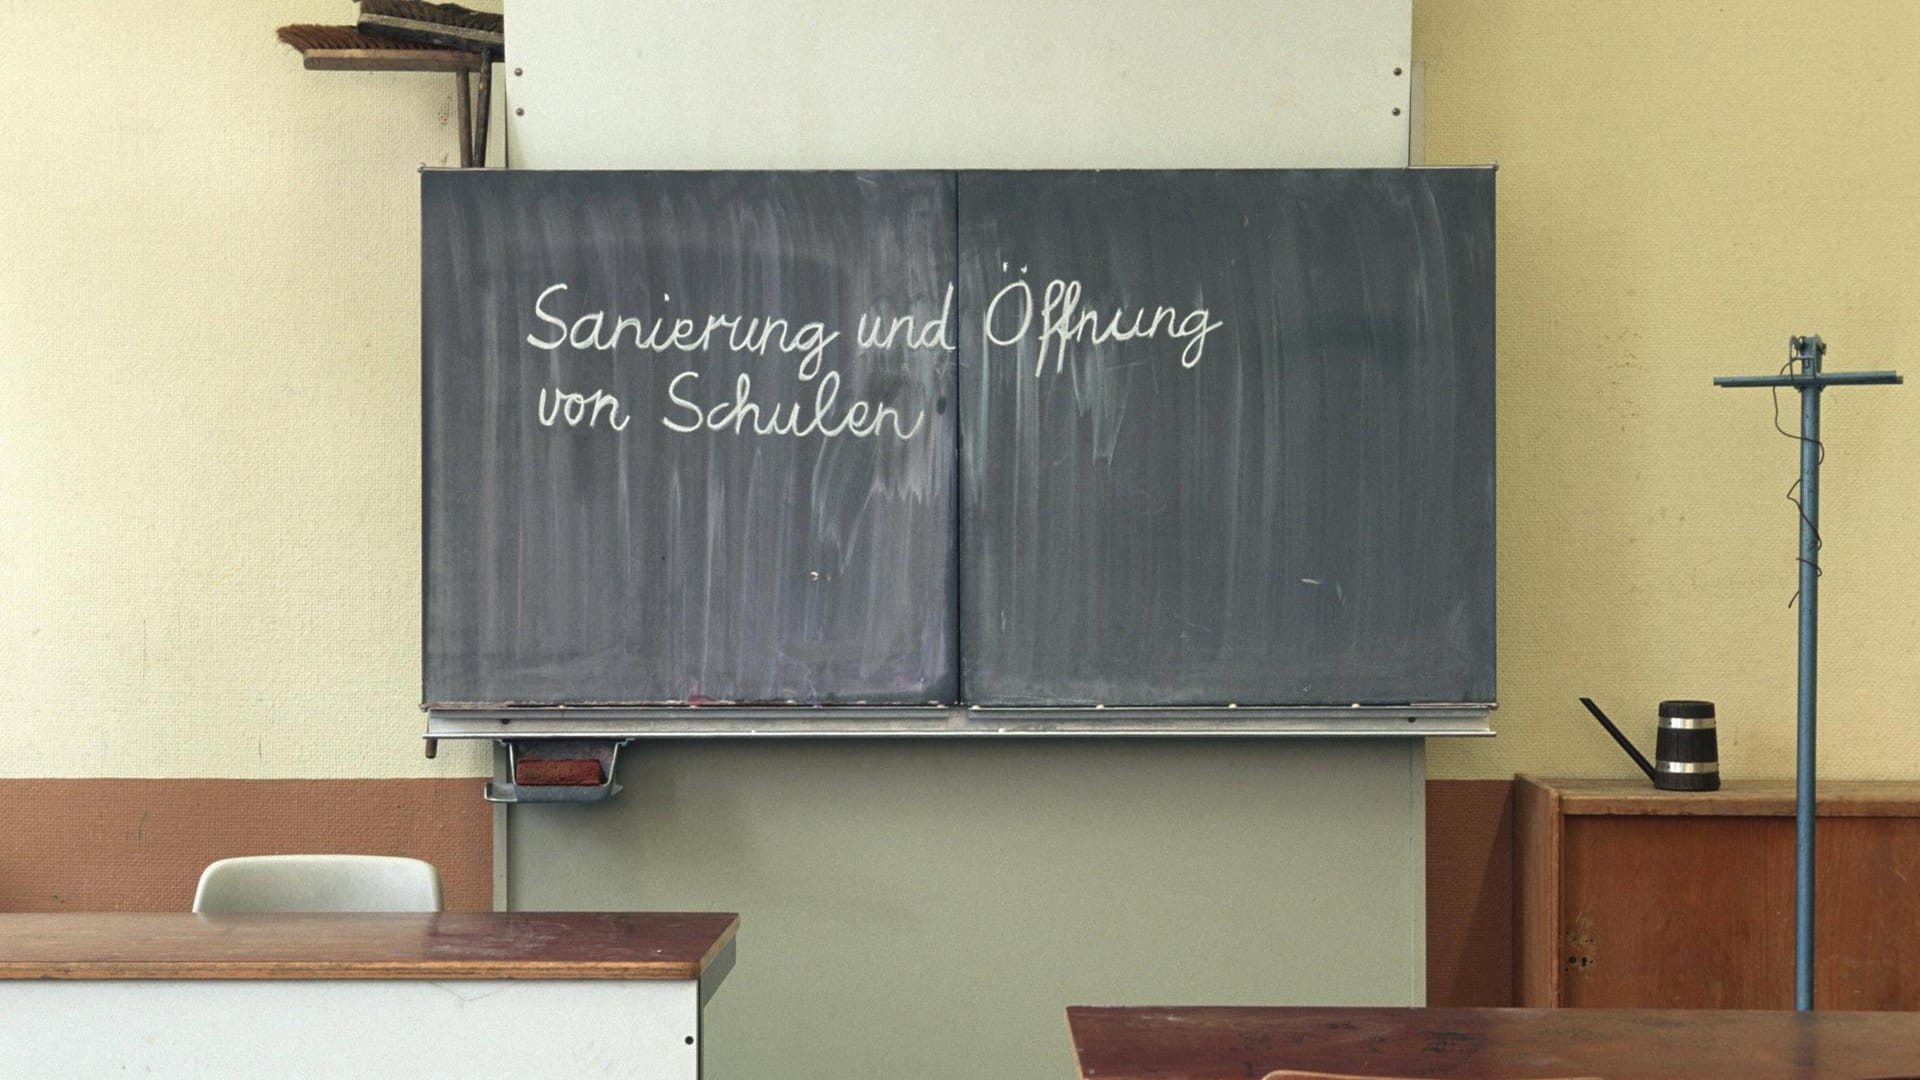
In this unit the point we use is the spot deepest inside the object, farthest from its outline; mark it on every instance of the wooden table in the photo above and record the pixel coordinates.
(1489, 1044)
(532, 995)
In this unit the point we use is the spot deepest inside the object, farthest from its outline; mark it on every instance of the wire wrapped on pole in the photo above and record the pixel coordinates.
(1803, 372)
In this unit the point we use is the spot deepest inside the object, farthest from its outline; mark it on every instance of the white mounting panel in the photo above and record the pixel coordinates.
(986, 84)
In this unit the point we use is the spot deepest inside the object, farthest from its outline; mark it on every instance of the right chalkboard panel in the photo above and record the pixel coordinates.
(1227, 437)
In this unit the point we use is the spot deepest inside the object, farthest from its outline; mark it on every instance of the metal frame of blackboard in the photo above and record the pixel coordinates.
(939, 721)
(511, 723)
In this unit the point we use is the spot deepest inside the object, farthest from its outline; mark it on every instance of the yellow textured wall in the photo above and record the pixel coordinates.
(1682, 186)
(209, 397)
(209, 380)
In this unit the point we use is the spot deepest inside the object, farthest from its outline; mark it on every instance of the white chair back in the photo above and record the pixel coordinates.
(263, 883)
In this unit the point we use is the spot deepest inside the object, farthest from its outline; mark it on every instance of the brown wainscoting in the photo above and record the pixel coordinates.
(139, 845)
(1469, 892)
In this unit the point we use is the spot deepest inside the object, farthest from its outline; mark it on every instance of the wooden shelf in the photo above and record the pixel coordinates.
(348, 48)
(391, 60)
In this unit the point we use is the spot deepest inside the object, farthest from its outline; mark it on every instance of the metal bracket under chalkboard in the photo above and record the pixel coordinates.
(606, 752)
(937, 721)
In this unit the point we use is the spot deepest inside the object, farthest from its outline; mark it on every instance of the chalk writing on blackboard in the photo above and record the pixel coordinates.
(575, 409)
(1062, 321)
(1053, 315)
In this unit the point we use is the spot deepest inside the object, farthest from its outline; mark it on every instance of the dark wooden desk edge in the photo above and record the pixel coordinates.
(1072, 1040)
(289, 968)
(1597, 797)
(1609, 1042)
(722, 941)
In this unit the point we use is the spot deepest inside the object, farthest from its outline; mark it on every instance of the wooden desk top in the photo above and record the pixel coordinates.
(1736, 798)
(1487, 1044)
(506, 945)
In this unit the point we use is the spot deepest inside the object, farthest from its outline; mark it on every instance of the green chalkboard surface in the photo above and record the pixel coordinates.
(1243, 451)
(659, 466)
(1189, 438)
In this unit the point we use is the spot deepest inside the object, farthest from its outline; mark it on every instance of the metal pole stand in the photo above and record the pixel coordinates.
(1809, 379)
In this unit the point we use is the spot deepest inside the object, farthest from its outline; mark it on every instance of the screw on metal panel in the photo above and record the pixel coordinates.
(1396, 110)
(1396, 71)
(519, 71)
(523, 112)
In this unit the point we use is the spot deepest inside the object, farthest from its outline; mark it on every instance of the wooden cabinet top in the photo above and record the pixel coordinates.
(1620, 1044)
(504, 945)
(1736, 798)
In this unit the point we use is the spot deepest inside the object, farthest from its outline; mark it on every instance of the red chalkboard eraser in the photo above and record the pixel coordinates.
(578, 772)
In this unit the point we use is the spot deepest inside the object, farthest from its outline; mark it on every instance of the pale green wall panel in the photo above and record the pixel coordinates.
(926, 910)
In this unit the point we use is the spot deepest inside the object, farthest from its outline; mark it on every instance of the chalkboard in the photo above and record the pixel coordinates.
(1227, 437)
(651, 475)
(999, 439)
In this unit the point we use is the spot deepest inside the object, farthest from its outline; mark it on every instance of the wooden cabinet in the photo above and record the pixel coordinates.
(1630, 897)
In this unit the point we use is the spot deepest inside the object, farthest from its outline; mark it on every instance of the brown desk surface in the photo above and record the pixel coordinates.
(1618, 1044)
(506, 945)
(1736, 798)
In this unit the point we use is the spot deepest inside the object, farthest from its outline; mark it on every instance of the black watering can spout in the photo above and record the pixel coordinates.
(1625, 743)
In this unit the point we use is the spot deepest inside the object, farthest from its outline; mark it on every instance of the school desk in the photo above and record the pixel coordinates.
(1488, 1044)
(530, 995)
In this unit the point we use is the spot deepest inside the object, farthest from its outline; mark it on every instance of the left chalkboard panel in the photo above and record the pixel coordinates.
(660, 463)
